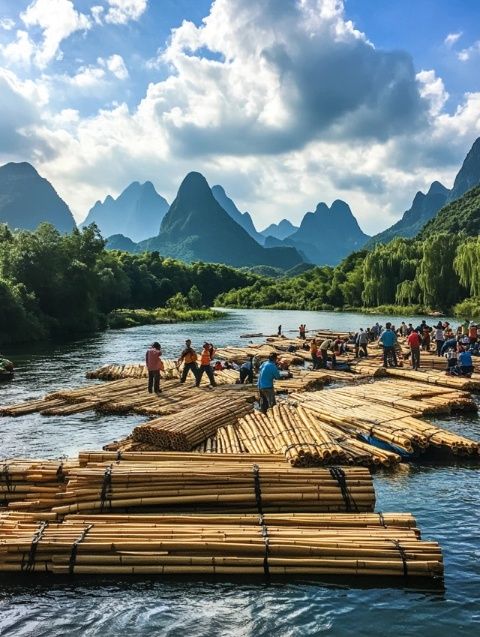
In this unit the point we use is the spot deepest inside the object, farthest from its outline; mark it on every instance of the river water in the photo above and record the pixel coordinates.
(445, 500)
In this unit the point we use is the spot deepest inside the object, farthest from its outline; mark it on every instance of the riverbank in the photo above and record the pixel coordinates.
(123, 318)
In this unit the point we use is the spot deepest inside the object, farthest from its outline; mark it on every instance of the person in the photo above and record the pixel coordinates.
(426, 329)
(268, 373)
(302, 330)
(388, 340)
(314, 354)
(450, 343)
(403, 329)
(465, 363)
(414, 342)
(472, 332)
(246, 371)
(206, 357)
(326, 345)
(451, 356)
(189, 358)
(362, 342)
(279, 331)
(439, 337)
(410, 329)
(154, 365)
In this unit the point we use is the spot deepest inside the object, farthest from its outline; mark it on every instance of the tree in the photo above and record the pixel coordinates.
(195, 298)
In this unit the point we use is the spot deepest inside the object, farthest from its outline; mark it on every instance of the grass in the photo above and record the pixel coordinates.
(132, 318)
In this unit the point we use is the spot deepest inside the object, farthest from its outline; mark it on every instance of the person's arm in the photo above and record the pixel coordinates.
(276, 373)
(146, 358)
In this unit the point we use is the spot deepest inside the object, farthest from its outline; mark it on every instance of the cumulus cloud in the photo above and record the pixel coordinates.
(20, 50)
(122, 11)
(57, 19)
(97, 12)
(432, 89)
(7, 24)
(116, 65)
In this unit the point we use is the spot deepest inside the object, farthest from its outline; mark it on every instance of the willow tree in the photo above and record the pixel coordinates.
(438, 282)
(467, 265)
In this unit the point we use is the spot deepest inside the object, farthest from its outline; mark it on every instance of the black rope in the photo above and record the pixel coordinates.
(266, 541)
(338, 474)
(60, 473)
(106, 492)
(258, 490)
(29, 565)
(403, 555)
(382, 519)
(73, 552)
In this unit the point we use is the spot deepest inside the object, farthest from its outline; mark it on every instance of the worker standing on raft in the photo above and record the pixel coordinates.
(154, 366)
(206, 357)
(268, 373)
(189, 358)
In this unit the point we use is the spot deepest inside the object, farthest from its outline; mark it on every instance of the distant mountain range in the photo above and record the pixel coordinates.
(197, 228)
(26, 199)
(205, 224)
(136, 213)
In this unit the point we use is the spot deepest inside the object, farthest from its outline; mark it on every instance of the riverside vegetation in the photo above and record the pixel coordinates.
(54, 284)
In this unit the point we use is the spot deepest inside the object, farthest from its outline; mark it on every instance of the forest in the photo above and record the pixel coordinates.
(62, 285)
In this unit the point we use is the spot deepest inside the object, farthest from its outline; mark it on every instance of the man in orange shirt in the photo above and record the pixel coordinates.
(206, 357)
(189, 358)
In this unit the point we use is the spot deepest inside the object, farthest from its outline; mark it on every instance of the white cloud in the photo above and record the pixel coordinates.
(122, 11)
(432, 88)
(57, 20)
(97, 12)
(466, 54)
(452, 38)
(20, 50)
(116, 65)
(7, 24)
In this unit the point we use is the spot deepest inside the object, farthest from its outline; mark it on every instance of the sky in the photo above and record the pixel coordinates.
(285, 103)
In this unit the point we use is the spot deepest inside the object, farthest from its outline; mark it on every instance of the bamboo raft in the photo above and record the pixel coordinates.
(268, 545)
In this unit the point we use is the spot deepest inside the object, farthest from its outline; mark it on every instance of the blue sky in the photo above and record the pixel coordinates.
(284, 103)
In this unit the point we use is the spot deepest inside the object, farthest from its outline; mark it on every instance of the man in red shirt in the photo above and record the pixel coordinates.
(414, 341)
(154, 365)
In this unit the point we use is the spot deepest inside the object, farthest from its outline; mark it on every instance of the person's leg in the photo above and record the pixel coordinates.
(201, 369)
(324, 358)
(185, 369)
(385, 356)
(156, 381)
(263, 402)
(394, 357)
(250, 377)
(243, 375)
(150, 382)
(211, 377)
(271, 397)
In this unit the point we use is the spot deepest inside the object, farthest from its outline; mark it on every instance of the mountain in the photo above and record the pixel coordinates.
(26, 199)
(121, 242)
(469, 174)
(280, 230)
(423, 208)
(136, 213)
(461, 215)
(197, 228)
(242, 218)
(328, 235)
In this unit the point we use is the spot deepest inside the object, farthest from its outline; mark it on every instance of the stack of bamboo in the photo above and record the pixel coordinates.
(194, 425)
(270, 546)
(31, 484)
(192, 482)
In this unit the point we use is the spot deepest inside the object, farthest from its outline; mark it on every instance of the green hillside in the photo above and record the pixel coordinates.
(462, 215)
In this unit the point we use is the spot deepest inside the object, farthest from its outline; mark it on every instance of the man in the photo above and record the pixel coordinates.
(268, 373)
(414, 341)
(314, 354)
(189, 359)
(388, 340)
(302, 330)
(363, 342)
(206, 357)
(326, 345)
(465, 364)
(154, 365)
(246, 371)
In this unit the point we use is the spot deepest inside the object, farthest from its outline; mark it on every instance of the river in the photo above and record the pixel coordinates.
(445, 500)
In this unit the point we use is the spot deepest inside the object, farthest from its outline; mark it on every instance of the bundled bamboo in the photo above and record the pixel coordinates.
(195, 482)
(436, 377)
(270, 546)
(194, 425)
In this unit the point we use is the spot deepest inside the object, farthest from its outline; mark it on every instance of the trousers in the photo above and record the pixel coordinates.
(153, 380)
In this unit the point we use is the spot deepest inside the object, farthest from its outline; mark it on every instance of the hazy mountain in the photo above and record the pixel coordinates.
(423, 208)
(280, 230)
(120, 242)
(469, 174)
(26, 199)
(328, 235)
(242, 218)
(197, 228)
(461, 215)
(136, 213)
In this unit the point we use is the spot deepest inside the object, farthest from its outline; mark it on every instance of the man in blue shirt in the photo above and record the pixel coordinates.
(388, 340)
(465, 364)
(268, 373)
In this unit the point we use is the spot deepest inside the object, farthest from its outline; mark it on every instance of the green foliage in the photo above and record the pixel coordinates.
(55, 284)
(467, 265)
(132, 318)
(460, 216)
(468, 308)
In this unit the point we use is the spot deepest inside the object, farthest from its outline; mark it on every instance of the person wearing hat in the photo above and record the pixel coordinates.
(154, 365)
(206, 357)
(267, 374)
(472, 333)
